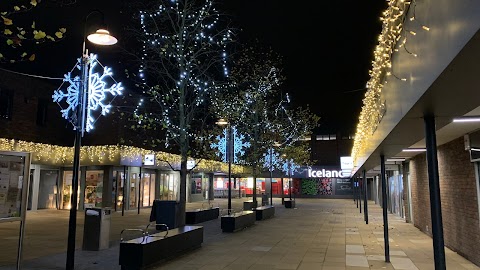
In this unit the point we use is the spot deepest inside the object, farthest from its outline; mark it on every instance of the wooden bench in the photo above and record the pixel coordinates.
(289, 203)
(237, 221)
(201, 215)
(249, 205)
(264, 212)
(150, 249)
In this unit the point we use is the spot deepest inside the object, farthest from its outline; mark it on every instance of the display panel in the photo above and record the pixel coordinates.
(12, 185)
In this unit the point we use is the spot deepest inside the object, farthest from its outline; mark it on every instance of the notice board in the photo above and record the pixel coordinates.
(14, 171)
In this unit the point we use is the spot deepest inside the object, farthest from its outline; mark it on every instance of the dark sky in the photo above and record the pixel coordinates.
(327, 47)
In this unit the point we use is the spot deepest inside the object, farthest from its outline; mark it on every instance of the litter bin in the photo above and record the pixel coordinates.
(164, 212)
(96, 229)
(264, 199)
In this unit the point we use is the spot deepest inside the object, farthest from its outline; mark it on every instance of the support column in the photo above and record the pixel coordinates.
(384, 207)
(353, 188)
(434, 186)
(356, 189)
(360, 185)
(365, 197)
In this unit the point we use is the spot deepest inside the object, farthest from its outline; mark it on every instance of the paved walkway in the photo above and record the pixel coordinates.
(318, 234)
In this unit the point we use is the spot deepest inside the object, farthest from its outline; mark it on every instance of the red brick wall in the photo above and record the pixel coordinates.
(458, 191)
(26, 93)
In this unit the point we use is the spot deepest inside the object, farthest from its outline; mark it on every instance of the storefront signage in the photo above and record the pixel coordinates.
(149, 160)
(346, 163)
(325, 173)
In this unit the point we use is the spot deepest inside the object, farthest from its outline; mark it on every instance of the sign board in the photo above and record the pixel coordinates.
(346, 163)
(149, 160)
(14, 180)
(14, 175)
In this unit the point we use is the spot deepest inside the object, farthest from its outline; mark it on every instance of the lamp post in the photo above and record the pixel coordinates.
(229, 154)
(290, 180)
(100, 37)
(271, 177)
(289, 167)
(275, 144)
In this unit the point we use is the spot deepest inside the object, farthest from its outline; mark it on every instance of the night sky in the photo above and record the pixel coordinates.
(327, 47)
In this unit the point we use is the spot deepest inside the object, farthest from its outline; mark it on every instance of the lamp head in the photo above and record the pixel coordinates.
(221, 122)
(102, 37)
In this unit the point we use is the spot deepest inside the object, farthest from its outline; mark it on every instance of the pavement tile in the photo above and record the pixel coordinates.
(320, 234)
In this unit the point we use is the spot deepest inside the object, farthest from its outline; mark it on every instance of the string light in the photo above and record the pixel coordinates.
(392, 27)
(55, 155)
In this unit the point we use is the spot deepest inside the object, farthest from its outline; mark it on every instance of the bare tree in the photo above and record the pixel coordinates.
(181, 50)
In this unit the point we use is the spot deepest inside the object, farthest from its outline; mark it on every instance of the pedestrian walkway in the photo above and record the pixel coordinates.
(318, 234)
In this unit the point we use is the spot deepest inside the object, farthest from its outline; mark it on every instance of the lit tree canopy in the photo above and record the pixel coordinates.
(181, 62)
(256, 105)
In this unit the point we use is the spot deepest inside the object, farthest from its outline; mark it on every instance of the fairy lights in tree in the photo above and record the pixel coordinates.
(183, 46)
(97, 90)
(239, 145)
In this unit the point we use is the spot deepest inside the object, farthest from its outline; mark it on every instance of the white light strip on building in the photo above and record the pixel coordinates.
(414, 150)
(466, 119)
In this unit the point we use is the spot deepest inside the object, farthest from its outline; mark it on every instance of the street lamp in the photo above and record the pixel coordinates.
(273, 160)
(223, 122)
(100, 37)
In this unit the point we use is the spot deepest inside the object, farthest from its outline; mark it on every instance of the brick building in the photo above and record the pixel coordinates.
(418, 122)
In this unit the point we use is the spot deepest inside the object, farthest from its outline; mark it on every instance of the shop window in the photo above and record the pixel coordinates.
(133, 191)
(6, 104)
(152, 188)
(196, 187)
(118, 191)
(93, 189)
(147, 188)
(67, 190)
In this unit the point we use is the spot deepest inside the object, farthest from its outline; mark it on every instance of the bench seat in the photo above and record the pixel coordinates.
(237, 221)
(264, 212)
(142, 252)
(201, 215)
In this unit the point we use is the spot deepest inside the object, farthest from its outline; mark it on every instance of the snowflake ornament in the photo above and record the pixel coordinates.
(289, 167)
(239, 145)
(95, 93)
(271, 159)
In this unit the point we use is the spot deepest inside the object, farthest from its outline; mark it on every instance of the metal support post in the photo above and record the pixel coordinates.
(271, 177)
(230, 156)
(360, 185)
(384, 207)
(365, 197)
(434, 186)
(139, 189)
(356, 189)
(79, 126)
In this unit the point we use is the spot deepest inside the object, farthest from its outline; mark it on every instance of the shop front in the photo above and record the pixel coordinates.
(109, 186)
(199, 187)
(321, 182)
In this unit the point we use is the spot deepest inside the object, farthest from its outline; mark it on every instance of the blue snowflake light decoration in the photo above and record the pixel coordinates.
(289, 167)
(271, 159)
(239, 145)
(96, 92)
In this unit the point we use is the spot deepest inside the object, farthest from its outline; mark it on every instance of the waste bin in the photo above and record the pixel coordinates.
(264, 199)
(164, 212)
(96, 229)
